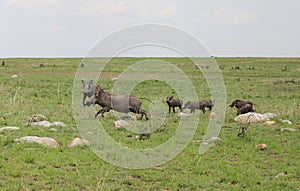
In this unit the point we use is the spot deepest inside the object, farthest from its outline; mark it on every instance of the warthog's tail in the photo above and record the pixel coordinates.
(147, 100)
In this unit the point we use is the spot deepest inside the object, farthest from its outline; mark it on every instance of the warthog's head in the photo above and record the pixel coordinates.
(234, 103)
(98, 91)
(87, 87)
(168, 99)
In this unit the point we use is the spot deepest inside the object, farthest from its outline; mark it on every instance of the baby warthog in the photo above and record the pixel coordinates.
(242, 106)
(88, 90)
(120, 103)
(172, 103)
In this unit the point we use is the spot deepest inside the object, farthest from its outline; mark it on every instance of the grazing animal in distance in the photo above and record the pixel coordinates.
(88, 90)
(207, 103)
(120, 103)
(242, 106)
(172, 103)
(193, 106)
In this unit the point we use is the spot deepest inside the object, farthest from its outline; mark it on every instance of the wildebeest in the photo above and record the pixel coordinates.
(206, 103)
(172, 103)
(193, 106)
(88, 90)
(242, 106)
(120, 103)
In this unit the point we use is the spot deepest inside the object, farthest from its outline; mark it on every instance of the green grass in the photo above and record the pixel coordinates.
(44, 86)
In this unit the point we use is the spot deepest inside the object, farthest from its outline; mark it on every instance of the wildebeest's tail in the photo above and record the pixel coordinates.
(147, 100)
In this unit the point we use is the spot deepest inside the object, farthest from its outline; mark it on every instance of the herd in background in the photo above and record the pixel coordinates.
(95, 94)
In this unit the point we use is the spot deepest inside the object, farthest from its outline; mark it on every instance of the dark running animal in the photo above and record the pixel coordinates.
(242, 106)
(172, 103)
(120, 103)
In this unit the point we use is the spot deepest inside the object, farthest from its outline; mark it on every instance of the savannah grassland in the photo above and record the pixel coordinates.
(44, 86)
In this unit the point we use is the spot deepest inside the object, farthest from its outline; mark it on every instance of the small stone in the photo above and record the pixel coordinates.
(14, 76)
(280, 174)
(114, 79)
(36, 118)
(182, 114)
(58, 123)
(53, 129)
(10, 128)
(286, 121)
(269, 123)
(47, 142)
(121, 123)
(41, 123)
(213, 115)
(288, 129)
(261, 146)
(77, 142)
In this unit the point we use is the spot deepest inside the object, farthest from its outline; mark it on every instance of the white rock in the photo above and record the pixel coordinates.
(48, 142)
(53, 129)
(114, 79)
(286, 121)
(36, 118)
(121, 123)
(270, 115)
(14, 76)
(253, 117)
(41, 123)
(269, 123)
(10, 128)
(181, 114)
(58, 123)
(288, 129)
(261, 146)
(77, 141)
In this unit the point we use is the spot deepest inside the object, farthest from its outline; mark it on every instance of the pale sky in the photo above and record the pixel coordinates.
(70, 28)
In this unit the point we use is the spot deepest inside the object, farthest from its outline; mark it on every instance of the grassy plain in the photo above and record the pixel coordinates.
(44, 86)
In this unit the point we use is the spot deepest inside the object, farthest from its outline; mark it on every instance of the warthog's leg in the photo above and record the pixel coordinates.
(83, 100)
(102, 111)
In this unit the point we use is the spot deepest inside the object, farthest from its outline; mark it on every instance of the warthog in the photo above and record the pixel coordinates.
(88, 90)
(242, 106)
(207, 103)
(199, 105)
(193, 106)
(172, 103)
(120, 103)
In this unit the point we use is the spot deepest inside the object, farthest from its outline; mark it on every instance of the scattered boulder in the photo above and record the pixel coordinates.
(48, 124)
(120, 124)
(36, 118)
(261, 146)
(288, 129)
(14, 76)
(58, 124)
(281, 174)
(269, 123)
(213, 115)
(47, 142)
(286, 121)
(10, 128)
(41, 123)
(78, 142)
(252, 117)
(183, 114)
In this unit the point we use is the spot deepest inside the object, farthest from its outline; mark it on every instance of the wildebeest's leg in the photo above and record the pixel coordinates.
(180, 108)
(102, 111)
(169, 109)
(173, 109)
